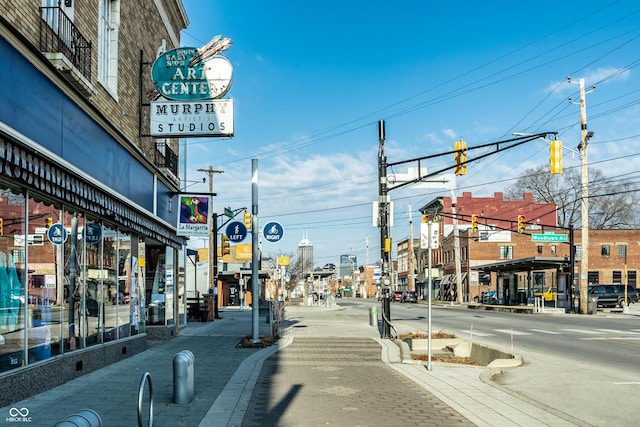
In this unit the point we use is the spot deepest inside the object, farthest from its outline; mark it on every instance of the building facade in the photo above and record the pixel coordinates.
(518, 266)
(88, 247)
(304, 256)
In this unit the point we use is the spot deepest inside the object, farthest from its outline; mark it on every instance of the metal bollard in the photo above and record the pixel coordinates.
(183, 377)
(82, 418)
(373, 316)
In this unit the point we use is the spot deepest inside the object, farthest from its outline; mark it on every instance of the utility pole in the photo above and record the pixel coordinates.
(456, 247)
(385, 235)
(213, 236)
(584, 263)
(412, 283)
(584, 240)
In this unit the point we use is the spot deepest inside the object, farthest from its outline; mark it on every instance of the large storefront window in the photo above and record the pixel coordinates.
(160, 285)
(13, 299)
(67, 281)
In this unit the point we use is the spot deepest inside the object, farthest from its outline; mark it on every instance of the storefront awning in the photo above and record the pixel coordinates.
(523, 264)
(37, 172)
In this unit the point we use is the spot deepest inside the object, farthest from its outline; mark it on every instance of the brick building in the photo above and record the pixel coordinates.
(496, 257)
(88, 243)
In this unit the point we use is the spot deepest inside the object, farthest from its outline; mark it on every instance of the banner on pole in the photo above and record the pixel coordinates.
(194, 216)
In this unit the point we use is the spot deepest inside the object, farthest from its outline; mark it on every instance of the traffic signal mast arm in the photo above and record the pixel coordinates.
(499, 147)
(235, 214)
(474, 221)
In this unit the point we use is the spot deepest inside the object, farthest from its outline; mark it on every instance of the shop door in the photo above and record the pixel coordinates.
(234, 294)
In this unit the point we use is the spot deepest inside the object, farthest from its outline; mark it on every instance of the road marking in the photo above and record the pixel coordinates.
(512, 332)
(583, 331)
(628, 383)
(546, 332)
(615, 331)
(477, 333)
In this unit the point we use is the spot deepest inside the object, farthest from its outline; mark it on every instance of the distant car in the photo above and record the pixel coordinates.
(409, 296)
(338, 295)
(121, 298)
(490, 297)
(396, 296)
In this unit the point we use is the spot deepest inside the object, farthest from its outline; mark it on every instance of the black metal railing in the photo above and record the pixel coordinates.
(58, 34)
(166, 158)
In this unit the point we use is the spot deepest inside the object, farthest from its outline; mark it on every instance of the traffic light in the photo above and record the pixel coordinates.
(474, 222)
(48, 222)
(1, 227)
(224, 245)
(555, 156)
(521, 224)
(460, 157)
(425, 219)
(247, 220)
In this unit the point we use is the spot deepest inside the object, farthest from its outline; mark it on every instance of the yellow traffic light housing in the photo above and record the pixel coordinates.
(521, 224)
(474, 222)
(225, 248)
(1, 227)
(460, 157)
(555, 156)
(425, 219)
(48, 222)
(247, 220)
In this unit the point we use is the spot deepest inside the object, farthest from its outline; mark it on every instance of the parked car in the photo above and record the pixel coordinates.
(121, 298)
(396, 296)
(409, 296)
(490, 297)
(613, 295)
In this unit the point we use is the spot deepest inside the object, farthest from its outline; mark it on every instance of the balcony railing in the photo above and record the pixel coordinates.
(58, 34)
(166, 158)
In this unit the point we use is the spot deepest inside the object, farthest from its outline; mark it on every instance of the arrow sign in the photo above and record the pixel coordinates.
(273, 231)
(236, 231)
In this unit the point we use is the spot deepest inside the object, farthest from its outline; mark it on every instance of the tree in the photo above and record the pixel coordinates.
(613, 203)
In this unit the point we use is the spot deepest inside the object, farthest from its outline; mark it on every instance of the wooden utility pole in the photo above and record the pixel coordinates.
(410, 265)
(213, 257)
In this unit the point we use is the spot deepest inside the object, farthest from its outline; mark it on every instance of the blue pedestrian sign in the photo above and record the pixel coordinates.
(273, 231)
(57, 234)
(92, 233)
(236, 231)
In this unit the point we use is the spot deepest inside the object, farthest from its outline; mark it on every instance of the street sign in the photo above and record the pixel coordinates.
(92, 233)
(273, 231)
(228, 212)
(429, 235)
(57, 234)
(549, 237)
(236, 231)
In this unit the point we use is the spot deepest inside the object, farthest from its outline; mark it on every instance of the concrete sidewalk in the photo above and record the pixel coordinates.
(330, 368)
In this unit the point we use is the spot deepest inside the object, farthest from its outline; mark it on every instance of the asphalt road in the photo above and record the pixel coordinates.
(583, 365)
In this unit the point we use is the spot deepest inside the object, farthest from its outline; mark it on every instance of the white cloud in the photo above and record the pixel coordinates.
(450, 133)
(603, 75)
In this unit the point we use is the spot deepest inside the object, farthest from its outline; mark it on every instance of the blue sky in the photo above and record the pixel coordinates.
(312, 79)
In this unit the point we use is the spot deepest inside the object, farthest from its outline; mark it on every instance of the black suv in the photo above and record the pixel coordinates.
(409, 296)
(612, 295)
